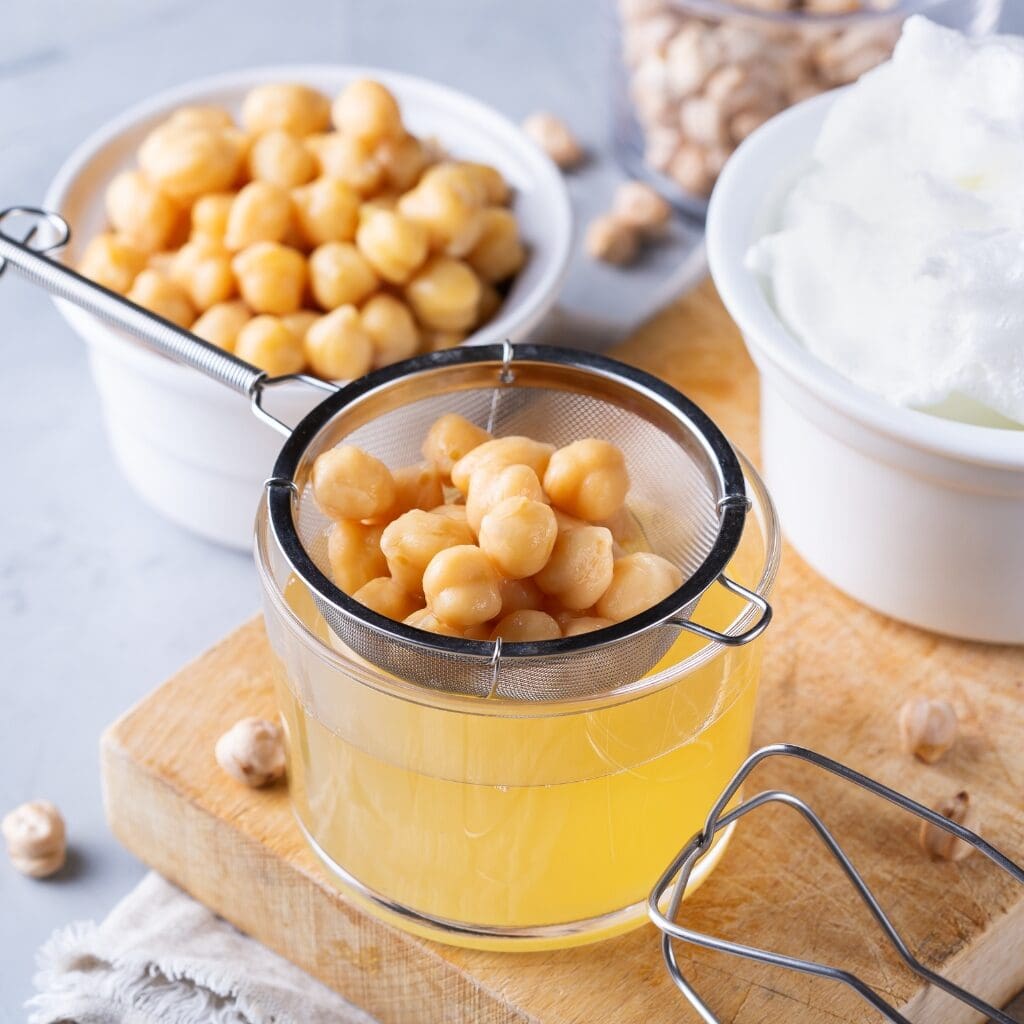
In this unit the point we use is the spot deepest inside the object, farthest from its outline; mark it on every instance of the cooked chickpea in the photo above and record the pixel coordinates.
(220, 324)
(187, 161)
(638, 581)
(413, 539)
(141, 212)
(387, 598)
(337, 347)
(490, 302)
(353, 550)
(518, 535)
(339, 275)
(161, 295)
(391, 326)
(451, 438)
(271, 277)
(495, 188)
(349, 483)
(498, 253)
(261, 212)
(580, 567)
(300, 322)
(210, 216)
(445, 294)
(461, 586)
(327, 210)
(417, 487)
(587, 479)
(526, 626)
(287, 106)
(456, 512)
(499, 453)
(585, 624)
(517, 595)
(267, 343)
(201, 117)
(441, 341)
(348, 159)
(282, 159)
(448, 202)
(393, 245)
(403, 160)
(366, 109)
(490, 484)
(203, 269)
(113, 262)
(427, 620)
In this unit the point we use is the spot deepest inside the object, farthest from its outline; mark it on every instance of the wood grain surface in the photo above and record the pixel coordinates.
(835, 675)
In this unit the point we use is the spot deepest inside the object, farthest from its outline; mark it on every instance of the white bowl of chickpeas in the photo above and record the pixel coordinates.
(319, 219)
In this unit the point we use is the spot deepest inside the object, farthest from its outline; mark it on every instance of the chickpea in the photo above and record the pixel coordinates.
(349, 483)
(490, 302)
(265, 342)
(203, 269)
(282, 159)
(387, 598)
(286, 106)
(450, 439)
(492, 484)
(481, 631)
(353, 549)
(587, 479)
(517, 595)
(201, 117)
(445, 294)
(141, 212)
(417, 487)
(393, 245)
(300, 322)
(112, 261)
(337, 346)
(271, 277)
(186, 162)
(162, 262)
(391, 326)
(413, 539)
(161, 295)
(327, 210)
(498, 253)
(585, 624)
(626, 531)
(456, 512)
(339, 275)
(428, 621)
(441, 341)
(403, 160)
(461, 586)
(220, 324)
(495, 188)
(449, 202)
(638, 581)
(366, 110)
(526, 626)
(518, 535)
(348, 159)
(499, 453)
(261, 212)
(210, 216)
(580, 567)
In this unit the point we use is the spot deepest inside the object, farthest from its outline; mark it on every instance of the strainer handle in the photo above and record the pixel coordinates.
(732, 639)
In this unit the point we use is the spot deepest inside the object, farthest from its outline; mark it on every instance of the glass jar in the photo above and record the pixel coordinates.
(501, 824)
(693, 78)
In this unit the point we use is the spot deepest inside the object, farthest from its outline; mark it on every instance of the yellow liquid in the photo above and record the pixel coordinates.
(511, 822)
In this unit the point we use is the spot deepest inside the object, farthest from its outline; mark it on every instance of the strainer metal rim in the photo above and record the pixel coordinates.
(282, 494)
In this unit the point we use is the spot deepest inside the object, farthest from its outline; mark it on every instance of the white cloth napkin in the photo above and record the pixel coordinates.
(161, 958)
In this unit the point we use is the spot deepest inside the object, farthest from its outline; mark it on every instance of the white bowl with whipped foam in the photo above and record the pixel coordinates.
(869, 243)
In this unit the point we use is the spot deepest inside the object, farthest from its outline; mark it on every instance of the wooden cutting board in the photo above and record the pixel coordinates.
(835, 674)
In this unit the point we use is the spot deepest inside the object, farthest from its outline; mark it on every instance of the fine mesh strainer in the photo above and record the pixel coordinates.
(687, 492)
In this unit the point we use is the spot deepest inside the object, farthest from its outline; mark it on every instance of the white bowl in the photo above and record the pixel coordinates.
(919, 517)
(190, 447)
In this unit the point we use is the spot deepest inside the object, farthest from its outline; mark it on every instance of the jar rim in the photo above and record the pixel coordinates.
(720, 9)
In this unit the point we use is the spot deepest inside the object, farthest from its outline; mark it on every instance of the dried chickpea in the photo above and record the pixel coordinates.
(448, 201)
(353, 549)
(220, 324)
(517, 595)
(526, 626)
(261, 212)
(113, 262)
(337, 347)
(366, 110)
(638, 581)
(490, 484)
(389, 323)
(141, 212)
(445, 294)
(554, 136)
(300, 322)
(210, 216)
(327, 210)
(349, 483)
(587, 479)
(499, 453)
(271, 277)
(203, 269)
(451, 438)
(282, 159)
(585, 624)
(495, 188)
(393, 245)
(417, 487)
(339, 275)
(267, 343)
(461, 586)
(498, 253)
(580, 567)
(287, 106)
(518, 535)
(187, 161)
(428, 621)
(351, 160)
(413, 539)
(402, 160)
(160, 295)
(386, 597)
(441, 341)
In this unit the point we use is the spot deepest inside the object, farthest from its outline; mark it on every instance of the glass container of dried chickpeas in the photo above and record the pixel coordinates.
(501, 824)
(693, 78)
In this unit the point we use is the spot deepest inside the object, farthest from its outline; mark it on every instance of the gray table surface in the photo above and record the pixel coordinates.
(100, 600)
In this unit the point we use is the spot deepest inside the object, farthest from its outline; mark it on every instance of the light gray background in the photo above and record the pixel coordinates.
(100, 600)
